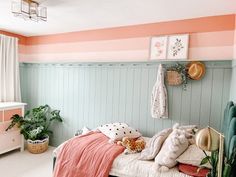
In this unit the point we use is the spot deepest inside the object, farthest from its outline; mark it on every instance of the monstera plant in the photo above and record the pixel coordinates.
(35, 126)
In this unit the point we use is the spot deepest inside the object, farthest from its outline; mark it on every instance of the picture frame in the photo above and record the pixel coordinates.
(178, 47)
(158, 49)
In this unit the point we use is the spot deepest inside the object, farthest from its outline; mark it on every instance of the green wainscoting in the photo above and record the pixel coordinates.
(91, 94)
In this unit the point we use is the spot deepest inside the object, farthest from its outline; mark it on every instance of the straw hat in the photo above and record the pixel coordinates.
(207, 139)
(196, 70)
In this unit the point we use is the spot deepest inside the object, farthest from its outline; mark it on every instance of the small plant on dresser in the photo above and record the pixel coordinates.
(35, 127)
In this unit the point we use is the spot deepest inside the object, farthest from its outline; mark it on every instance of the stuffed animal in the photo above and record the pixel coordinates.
(132, 145)
(190, 131)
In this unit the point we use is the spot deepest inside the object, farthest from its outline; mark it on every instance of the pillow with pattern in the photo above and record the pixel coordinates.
(116, 131)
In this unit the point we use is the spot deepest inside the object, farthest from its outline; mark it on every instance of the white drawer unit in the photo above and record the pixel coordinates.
(11, 139)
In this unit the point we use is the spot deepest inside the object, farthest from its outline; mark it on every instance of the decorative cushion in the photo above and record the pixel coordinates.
(82, 131)
(154, 145)
(193, 156)
(193, 171)
(173, 147)
(116, 131)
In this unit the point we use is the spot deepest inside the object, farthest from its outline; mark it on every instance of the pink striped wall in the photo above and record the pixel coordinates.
(209, 45)
(211, 38)
(235, 41)
(22, 39)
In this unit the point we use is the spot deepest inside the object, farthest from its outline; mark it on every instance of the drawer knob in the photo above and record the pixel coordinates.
(13, 140)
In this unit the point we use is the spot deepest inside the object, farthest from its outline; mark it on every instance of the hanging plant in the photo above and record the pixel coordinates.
(177, 74)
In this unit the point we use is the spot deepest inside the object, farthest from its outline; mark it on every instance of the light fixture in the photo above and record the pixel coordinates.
(208, 139)
(29, 10)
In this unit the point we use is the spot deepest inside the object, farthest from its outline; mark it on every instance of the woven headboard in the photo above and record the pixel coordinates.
(229, 128)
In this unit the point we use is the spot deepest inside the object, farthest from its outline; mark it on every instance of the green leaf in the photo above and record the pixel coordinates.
(36, 122)
(205, 160)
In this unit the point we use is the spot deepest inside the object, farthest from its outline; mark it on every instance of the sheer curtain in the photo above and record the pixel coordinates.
(9, 69)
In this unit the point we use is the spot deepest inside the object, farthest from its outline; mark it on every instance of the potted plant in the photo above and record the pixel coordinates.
(228, 166)
(213, 161)
(177, 75)
(35, 127)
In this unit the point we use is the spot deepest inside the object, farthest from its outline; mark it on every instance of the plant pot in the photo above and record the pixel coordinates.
(37, 146)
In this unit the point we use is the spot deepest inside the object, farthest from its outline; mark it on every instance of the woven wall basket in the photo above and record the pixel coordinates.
(37, 146)
(173, 78)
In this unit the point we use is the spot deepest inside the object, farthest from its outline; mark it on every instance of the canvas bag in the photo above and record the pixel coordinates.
(159, 98)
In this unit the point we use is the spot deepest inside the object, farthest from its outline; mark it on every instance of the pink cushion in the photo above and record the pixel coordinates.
(193, 170)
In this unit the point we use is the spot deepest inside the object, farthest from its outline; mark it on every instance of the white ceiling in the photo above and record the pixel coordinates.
(78, 15)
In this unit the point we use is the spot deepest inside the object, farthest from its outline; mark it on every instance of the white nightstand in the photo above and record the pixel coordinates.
(11, 139)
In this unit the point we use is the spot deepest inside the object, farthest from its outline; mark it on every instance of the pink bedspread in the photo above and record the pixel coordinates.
(88, 155)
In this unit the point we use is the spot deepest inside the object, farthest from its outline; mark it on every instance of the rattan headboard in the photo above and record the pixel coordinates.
(229, 128)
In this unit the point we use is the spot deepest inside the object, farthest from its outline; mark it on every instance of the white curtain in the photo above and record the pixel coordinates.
(9, 70)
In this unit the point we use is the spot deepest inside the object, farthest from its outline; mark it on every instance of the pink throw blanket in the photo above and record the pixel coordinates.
(89, 155)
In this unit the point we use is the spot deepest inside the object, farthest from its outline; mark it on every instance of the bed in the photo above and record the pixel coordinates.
(130, 165)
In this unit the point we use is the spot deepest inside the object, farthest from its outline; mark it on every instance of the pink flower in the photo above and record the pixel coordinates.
(158, 44)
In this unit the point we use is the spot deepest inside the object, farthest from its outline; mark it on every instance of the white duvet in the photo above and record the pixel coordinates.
(130, 166)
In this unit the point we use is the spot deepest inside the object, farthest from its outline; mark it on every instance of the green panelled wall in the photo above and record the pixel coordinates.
(233, 82)
(90, 94)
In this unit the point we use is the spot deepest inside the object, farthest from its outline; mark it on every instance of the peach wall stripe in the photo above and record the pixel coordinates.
(110, 56)
(219, 38)
(204, 24)
(235, 42)
(22, 49)
(211, 53)
(22, 39)
(235, 39)
(209, 39)
(199, 53)
(90, 46)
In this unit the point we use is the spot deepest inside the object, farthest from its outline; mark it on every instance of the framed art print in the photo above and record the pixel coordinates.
(158, 48)
(178, 46)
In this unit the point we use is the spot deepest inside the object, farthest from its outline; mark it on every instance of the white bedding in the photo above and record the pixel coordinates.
(130, 166)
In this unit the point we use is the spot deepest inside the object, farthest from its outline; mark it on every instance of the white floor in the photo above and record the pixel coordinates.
(25, 164)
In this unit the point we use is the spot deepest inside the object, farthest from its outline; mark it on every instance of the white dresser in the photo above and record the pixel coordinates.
(11, 139)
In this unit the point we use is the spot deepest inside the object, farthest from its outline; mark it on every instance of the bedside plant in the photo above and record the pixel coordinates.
(228, 165)
(35, 126)
(213, 161)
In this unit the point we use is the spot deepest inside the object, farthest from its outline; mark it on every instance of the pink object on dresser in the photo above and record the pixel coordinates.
(89, 155)
(11, 139)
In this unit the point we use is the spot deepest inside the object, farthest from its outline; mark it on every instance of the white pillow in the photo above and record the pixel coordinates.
(154, 145)
(85, 130)
(173, 147)
(193, 156)
(116, 131)
(82, 131)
